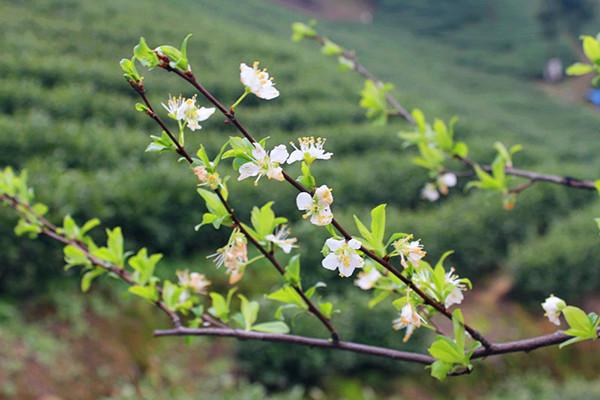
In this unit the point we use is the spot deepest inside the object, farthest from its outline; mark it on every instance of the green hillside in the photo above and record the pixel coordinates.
(66, 115)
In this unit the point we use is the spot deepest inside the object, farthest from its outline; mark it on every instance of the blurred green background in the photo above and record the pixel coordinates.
(66, 115)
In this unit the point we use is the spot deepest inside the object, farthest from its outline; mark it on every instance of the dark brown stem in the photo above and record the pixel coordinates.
(523, 345)
(300, 340)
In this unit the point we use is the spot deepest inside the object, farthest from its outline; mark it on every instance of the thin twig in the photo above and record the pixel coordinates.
(300, 340)
(50, 230)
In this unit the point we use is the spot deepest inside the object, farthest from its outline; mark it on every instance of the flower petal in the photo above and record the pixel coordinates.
(354, 244)
(267, 92)
(346, 270)
(334, 244)
(258, 153)
(330, 262)
(204, 113)
(304, 201)
(248, 169)
(297, 155)
(279, 154)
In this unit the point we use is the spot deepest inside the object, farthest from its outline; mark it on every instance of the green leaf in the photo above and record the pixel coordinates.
(378, 298)
(460, 149)
(577, 319)
(249, 311)
(145, 55)
(288, 295)
(264, 221)
(591, 48)
(578, 69)
(160, 144)
(88, 277)
(378, 225)
(272, 327)
(330, 48)
(445, 350)
(147, 292)
(440, 369)
(458, 328)
(213, 203)
(75, 256)
(363, 230)
(292, 271)
(144, 266)
(311, 291)
(374, 101)
(220, 307)
(88, 226)
(129, 71)
(326, 309)
(301, 31)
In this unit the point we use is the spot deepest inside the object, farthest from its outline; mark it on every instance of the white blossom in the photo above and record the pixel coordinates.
(194, 281)
(448, 179)
(280, 239)
(410, 251)
(429, 192)
(445, 181)
(317, 207)
(553, 306)
(186, 111)
(343, 256)
(456, 295)
(234, 255)
(310, 149)
(264, 164)
(258, 81)
(409, 319)
(367, 279)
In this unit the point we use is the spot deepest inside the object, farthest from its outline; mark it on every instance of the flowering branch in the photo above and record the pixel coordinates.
(139, 88)
(231, 117)
(349, 59)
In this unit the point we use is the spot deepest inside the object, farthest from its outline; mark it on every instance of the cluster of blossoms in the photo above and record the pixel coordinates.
(431, 191)
(194, 281)
(186, 112)
(269, 164)
(234, 256)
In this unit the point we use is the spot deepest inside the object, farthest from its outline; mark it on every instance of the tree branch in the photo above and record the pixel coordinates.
(139, 88)
(190, 78)
(401, 112)
(300, 340)
(51, 231)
